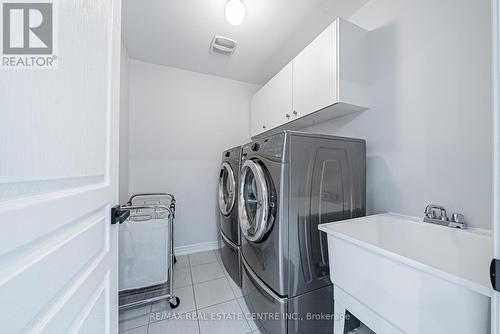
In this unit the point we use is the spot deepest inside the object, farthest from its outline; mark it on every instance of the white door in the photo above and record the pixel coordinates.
(495, 302)
(315, 74)
(58, 178)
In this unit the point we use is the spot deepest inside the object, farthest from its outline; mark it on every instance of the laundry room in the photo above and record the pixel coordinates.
(250, 166)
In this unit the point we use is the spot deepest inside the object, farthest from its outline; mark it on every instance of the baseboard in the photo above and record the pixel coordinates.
(195, 248)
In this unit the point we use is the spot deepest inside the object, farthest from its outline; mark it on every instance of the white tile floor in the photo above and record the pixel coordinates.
(205, 289)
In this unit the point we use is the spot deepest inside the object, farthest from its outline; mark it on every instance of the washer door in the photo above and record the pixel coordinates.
(255, 201)
(227, 189)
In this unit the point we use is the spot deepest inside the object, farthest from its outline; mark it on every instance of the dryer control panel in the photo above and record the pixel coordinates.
(271, 146)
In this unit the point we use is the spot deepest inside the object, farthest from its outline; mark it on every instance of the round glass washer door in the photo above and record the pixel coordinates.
(227, 189)
(254, 201)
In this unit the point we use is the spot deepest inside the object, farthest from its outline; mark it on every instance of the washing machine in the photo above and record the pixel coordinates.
(228, 213)
(289, 183)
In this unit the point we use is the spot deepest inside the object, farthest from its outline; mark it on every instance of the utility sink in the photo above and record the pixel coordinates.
(419, 277)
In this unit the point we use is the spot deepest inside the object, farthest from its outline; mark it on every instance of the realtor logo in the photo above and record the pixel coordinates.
(28, 35)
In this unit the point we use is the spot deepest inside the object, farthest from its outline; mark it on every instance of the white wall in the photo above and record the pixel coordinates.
(124, 125)
(429, 131)
(180, 123)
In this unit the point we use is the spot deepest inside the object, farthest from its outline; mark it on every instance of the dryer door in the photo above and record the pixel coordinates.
(227, 189)
(256, 201)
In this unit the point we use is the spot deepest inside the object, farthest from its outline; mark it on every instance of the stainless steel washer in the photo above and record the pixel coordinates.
(228, 216)
(289, 183)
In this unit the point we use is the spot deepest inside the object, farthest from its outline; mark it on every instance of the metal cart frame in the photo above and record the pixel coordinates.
(172, 299)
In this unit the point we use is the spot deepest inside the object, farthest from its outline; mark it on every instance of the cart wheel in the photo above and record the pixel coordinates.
(174, 302)
(175, 259)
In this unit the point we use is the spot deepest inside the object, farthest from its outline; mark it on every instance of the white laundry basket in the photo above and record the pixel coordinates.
(144, 249)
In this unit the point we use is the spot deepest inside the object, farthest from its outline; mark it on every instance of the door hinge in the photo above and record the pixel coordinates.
(119, 215)
(495, 274)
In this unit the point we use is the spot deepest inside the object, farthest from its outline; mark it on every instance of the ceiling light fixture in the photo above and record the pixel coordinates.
(235, 12)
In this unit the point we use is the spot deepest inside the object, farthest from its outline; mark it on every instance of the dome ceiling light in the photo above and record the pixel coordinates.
(235, 12)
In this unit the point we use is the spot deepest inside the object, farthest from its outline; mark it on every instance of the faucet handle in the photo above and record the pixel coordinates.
(430, 212)
(457, 218)
(458, 221)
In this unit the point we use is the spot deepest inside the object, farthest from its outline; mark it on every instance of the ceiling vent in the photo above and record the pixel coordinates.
(223, 45)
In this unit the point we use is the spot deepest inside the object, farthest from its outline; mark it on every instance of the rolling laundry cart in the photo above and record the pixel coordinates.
(156, 212)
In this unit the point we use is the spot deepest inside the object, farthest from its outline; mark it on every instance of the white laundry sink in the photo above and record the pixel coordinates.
(419, 277)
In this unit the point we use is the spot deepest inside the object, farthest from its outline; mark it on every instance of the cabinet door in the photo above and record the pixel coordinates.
(257, 115)
(315, 74)
(272, 103)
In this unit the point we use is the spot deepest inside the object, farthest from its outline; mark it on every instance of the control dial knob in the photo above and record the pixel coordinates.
(255, 147)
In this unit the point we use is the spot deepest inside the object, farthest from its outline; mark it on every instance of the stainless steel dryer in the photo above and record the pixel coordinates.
(289, 183)
(228, 207)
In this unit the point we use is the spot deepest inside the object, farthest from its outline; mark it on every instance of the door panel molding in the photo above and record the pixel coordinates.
(22, 190)
(97, 304)
(70, 311)
(85, 243)
(37, 219)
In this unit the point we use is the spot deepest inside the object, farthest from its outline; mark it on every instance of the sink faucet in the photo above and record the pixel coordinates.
(457, 219)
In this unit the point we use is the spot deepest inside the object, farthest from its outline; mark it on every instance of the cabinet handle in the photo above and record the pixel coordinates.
(294, 113)
(287, 116)
(263, 126)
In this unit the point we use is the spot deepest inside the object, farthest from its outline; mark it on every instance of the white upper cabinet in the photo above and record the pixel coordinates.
(271, 105)
(315, 74)
(327, 79)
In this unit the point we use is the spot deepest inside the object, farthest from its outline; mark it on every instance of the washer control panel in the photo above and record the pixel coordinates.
(232, 154)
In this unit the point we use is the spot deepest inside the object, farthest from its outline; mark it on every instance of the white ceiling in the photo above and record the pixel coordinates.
(178, 33)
